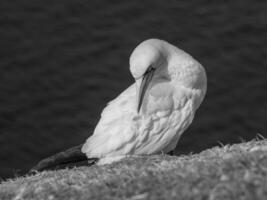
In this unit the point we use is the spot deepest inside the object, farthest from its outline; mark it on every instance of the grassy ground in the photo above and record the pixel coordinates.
(228, 172)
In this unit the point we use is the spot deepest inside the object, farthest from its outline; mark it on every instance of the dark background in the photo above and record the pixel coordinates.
(62, 61)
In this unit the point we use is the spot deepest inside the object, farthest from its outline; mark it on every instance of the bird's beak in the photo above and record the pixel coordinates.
(147, 77)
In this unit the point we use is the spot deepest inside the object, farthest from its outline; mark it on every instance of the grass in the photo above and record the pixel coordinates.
(228, 172)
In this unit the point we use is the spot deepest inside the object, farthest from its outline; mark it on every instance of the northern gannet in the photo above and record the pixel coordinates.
(149, 116)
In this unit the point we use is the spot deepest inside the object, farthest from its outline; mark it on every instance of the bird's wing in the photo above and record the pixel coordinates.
(114, 128)
(122, 131)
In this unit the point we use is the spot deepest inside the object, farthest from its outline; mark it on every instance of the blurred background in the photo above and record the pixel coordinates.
(62, 61)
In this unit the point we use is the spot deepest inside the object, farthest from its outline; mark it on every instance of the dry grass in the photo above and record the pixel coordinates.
(228, 172)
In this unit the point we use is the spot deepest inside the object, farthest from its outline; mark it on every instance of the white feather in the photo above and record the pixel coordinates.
(167, 110)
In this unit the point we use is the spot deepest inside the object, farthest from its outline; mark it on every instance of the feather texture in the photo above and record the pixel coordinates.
(168, 106)
(164, 116)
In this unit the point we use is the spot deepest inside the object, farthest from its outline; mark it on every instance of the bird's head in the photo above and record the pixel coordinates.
(145, 56)
(144, 60)
(156, 57)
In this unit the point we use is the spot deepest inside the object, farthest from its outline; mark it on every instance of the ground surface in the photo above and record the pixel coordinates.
(227, 172)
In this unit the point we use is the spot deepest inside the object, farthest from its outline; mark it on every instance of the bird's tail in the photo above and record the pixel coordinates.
(69, 158)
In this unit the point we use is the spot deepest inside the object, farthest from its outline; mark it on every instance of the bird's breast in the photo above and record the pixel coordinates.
(158, 99)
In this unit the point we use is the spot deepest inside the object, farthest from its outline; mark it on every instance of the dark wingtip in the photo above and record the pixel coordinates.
(68, 165)
(72, 157)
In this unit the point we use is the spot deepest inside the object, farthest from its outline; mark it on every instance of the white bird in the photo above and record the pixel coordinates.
(150, 116)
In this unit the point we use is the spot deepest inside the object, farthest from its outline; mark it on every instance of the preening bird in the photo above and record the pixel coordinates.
(149, 116)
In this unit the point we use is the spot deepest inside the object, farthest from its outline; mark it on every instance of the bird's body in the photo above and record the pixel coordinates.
(122, 131)
(168, 108)
(150, 116)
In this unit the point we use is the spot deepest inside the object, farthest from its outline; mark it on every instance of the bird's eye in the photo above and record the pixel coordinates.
(149, 69)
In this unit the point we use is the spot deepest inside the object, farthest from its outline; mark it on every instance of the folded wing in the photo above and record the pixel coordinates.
(121, 130)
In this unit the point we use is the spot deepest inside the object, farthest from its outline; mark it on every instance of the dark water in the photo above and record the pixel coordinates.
(61, 61)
